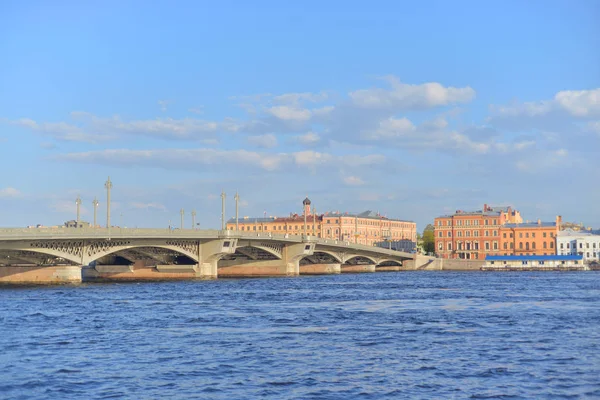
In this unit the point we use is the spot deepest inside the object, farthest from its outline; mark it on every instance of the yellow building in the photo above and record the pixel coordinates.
(365, 228)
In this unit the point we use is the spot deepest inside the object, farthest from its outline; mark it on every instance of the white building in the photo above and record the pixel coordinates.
(582, 243)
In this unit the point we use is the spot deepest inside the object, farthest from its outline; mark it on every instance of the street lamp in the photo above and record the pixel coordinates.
(182, 213)
(108, 185)
(194, 219)
(95, 203)
(237, 200)
(78, 203)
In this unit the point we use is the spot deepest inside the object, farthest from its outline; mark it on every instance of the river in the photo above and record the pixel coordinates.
(417, 335)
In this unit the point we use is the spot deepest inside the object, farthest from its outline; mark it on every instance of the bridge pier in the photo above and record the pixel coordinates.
(320, 269)
(357, 269)
(387, 268)
(36, 274)
(252, 269)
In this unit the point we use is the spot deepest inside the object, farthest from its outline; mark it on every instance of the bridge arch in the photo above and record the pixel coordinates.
(97, 250)
(358, 257)
(389, 263)
(321, 257)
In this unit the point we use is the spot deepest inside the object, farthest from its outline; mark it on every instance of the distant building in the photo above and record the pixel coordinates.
(365, 228)
(472, 234)
(583, 243)
(406, 245)
(533, 262)
(535, 238)
(73, 224)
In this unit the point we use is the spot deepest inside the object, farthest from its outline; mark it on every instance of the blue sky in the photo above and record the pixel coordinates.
(412, 109)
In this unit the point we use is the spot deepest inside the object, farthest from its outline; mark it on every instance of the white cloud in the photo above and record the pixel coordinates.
(288, 113)
(266, 141)
(353, 181)
(579, 103)
(308, 138)
(9, 192)
(295, 98)
(164, 104)
(594, 126)
(404, 96)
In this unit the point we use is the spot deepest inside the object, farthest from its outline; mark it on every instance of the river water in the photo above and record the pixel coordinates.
(417, 335)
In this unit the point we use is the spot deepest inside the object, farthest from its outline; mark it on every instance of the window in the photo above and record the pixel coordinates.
(495, 222)
(568, 245)
(468, 233)
(495, 245)
(511, 235)
(476, 233)
(544, 234)
(440, 246)
(581, 245)
(476, 245)
(487, 222)
(587, 245)
(551, 245)
(439, 223)
(533, 245)
(487, 233)
(440, 234)
(562, 246)
(487, 245)
(495, 233)
(459, 233)
(520, 235)
(449, 234)
(533, 234)
(526, 245)
(504, 235)
(526, 234)
(449, 246)
(468, 222)
(545, 245)
(505, 246)
(448, 223)
(511, 245)
(520, 245)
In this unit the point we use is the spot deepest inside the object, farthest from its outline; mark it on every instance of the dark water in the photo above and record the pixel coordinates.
(418, 335)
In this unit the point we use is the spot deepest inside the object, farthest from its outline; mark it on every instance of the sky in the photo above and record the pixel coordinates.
(412, 109)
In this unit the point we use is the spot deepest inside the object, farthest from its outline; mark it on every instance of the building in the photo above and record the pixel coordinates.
(533, 262)
(583, 243)
(365, 228)
(74, 224)
(405, 245)
(530, 238)
(472, 234)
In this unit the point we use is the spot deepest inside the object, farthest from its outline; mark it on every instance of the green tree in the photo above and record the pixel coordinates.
(428, 239)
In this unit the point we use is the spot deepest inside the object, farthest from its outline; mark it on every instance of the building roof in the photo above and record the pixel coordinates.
(300, 217)
(488, 212)
(365, 214)
(572, 233)
(568, 257)
(531, 225)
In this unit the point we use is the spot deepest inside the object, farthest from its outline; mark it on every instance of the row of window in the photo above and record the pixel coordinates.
(587, 245)
(494, 246)
(468, 222)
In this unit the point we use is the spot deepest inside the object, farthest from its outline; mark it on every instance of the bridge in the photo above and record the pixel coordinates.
(48, 255)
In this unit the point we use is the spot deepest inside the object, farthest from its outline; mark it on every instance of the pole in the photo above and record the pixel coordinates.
(182, 213)
(237, 200)
(95, 203)
(223, 196)
(108, 185)
(193, 219)
(78, 203)
(314, 222)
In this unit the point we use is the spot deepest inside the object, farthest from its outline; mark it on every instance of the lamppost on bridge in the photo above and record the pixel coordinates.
(78, 203)
(237, 200)
(108, 185)
(194, 219)
(223, 196)
(95, 204)
(182, 214)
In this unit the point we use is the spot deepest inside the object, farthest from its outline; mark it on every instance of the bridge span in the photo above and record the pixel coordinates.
(51, 255)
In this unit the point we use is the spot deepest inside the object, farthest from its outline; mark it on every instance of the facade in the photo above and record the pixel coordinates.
(583, 243)
(472, 234)
(405, 245)
(365, 228)
(533, 262)
(537, 238)
(74, 224)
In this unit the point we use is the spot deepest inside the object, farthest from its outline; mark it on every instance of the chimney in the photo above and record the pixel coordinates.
(485, 207)
(558, 222)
